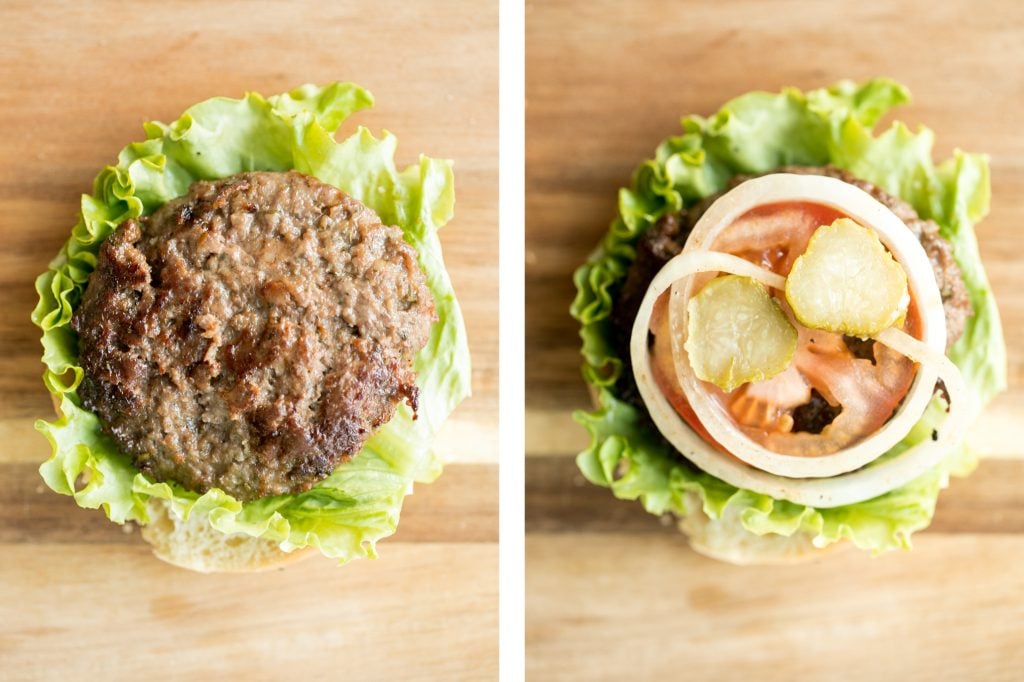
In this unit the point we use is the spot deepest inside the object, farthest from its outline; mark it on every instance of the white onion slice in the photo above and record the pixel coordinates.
(866, 210)
(847, 486)
(907, 345)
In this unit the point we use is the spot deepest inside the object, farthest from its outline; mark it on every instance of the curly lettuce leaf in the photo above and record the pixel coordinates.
(756, 133)
(347, 513)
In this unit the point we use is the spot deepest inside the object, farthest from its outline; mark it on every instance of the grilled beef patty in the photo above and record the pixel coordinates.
(252, 334)
(665, 239)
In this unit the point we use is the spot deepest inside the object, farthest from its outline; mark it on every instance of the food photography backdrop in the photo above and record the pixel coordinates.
(82, 598)
(612, 593)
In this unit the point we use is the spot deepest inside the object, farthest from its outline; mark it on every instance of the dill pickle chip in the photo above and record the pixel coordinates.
(847, 282)
(736, 333)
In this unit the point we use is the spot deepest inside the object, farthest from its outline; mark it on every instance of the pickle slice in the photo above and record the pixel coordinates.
(847, 282)
(736, 333)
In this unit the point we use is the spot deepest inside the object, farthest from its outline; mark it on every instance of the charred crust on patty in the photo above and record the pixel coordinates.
(252, 334)
(814, 415)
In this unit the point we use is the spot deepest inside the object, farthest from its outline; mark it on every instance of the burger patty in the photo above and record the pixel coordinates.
(665, 239)
(252, 334)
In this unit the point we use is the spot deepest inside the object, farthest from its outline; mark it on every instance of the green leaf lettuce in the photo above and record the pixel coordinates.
(344, 515)
(756, 133)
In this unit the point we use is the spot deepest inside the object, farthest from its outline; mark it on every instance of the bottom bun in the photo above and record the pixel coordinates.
(195, 545)
(725, 539)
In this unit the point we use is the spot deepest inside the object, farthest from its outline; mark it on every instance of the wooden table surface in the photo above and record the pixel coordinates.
(81, 598)
(613, 594)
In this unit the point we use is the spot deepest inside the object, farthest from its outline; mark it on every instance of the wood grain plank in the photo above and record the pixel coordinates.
(554, 433)
(626, 606)
(112, 612)
(560, 500)
(82, 599)
(614, 594)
